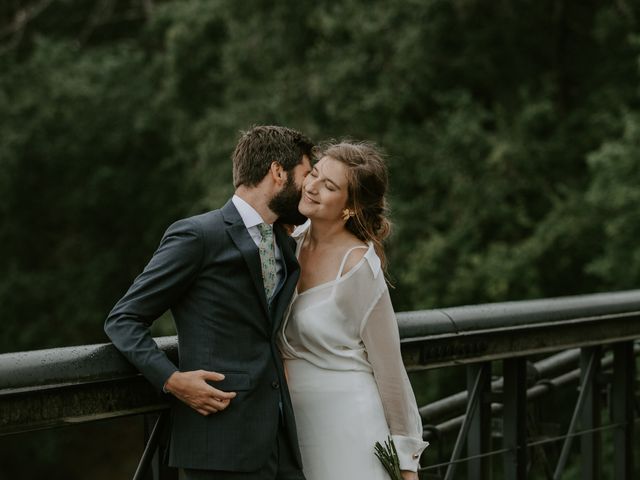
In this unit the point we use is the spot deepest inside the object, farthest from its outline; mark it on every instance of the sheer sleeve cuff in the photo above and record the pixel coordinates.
(409, 451)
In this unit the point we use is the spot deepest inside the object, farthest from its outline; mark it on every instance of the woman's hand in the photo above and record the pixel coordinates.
(409, 475)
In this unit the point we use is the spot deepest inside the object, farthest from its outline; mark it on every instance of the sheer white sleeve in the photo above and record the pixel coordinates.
(382, 342)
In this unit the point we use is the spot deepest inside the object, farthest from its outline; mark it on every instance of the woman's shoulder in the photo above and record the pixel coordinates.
(362, 280)
(356, 251)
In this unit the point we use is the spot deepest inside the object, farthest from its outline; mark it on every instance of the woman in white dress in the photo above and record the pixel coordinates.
(340, 339)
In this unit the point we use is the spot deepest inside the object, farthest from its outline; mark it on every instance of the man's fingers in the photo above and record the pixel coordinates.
(211, 407)
(216, 377)
(200, 395)
(208, 407)
(223, 395)
(215, 405)
(213, 376)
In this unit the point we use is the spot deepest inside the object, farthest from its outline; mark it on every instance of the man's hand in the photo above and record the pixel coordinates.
(192, 389)
(409, 475)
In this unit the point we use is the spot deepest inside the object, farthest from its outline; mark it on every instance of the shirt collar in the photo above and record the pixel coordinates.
(250, 217)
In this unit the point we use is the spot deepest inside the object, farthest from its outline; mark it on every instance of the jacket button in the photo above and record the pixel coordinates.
(275, 384)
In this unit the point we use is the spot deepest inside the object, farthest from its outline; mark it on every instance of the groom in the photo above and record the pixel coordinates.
(227, 276)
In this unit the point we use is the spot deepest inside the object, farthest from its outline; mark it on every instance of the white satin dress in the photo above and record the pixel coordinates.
(348, 385)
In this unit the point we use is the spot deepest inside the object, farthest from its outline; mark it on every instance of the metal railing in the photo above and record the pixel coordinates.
(582, 328)
(65, 386)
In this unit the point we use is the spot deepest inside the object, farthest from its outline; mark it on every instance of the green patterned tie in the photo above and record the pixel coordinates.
(267, 258)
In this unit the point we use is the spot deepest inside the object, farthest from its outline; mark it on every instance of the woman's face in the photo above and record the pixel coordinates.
(325, 191)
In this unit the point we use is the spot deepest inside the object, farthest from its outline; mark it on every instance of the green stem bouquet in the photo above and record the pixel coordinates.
(388, 456)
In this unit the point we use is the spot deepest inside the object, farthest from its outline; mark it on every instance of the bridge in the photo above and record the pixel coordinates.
(517, 355)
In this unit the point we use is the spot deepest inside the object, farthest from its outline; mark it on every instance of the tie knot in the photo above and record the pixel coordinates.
(266, 231)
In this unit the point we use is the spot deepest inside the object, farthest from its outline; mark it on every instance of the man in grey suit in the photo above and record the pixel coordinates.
(227, 276)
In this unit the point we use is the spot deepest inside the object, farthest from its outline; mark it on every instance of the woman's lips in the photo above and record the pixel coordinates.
(309, 199)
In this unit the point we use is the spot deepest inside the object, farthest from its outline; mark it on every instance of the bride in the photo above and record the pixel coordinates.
(340, 339)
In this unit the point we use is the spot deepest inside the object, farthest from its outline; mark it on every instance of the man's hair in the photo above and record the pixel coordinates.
(259, 146)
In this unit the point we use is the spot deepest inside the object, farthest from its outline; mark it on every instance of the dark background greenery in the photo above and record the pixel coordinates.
(512, 130)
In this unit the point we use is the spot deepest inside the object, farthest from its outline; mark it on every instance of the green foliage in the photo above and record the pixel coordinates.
(512, 131)
(84, 158)
(613, 197)
(513, 161)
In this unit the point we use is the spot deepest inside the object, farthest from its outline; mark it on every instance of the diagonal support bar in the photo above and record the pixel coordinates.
(564, 454)
(474, 400)
(151, 447)
(479, 436)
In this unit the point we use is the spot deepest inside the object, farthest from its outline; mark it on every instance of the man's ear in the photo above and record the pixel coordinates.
(277, 173)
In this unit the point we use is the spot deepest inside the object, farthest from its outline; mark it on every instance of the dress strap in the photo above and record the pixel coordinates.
(344, 259)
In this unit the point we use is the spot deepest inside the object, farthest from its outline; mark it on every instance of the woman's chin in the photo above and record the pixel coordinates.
(302, 208)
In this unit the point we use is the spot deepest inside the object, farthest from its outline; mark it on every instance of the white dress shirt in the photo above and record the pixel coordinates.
(251, 220)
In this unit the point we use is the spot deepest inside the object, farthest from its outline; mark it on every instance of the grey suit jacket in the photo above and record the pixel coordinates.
(207, 271)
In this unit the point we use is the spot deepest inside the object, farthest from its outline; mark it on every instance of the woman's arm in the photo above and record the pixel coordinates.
(382, 342)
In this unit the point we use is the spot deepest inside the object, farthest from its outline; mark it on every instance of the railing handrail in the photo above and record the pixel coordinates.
(55, 387)
(69, 365)
(517, 313)
(102, 362)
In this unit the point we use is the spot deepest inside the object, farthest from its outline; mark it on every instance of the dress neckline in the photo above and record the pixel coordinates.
(339, 276)
(336, 280)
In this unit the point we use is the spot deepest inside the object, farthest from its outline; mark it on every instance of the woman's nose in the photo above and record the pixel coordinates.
(309, 185)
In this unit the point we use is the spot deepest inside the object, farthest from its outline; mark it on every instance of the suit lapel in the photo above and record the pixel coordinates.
(243, 242)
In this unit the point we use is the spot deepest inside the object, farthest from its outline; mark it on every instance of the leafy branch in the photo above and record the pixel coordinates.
(388, 456)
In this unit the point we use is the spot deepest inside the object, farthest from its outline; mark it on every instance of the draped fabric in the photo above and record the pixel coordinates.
(348, 384)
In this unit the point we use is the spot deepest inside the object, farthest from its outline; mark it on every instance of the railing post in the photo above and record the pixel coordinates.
(479, 436)
(515, 418)
(591, 442)
(473, 403)
(151, 465)
(622, 403)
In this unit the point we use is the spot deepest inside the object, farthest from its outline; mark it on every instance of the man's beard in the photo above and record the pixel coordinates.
(285, 203)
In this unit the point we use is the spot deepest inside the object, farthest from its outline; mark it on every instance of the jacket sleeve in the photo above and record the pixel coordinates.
(171, 270)
(382, 341)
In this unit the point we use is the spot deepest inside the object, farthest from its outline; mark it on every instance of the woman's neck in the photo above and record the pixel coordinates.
(325, 233)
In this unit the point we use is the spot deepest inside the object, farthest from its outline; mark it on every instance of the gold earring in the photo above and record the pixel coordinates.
(347, 214)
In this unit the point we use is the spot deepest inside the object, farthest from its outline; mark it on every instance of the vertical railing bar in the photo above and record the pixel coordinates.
(622, 409)
(574, 420)
(479, 434)
(151, 446)
(515, 418)
(591, 442)
(471, 406)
